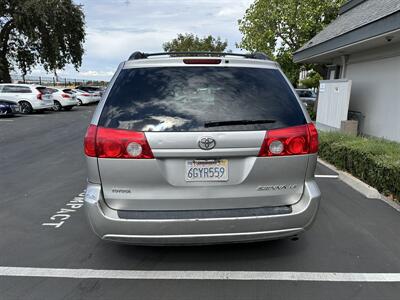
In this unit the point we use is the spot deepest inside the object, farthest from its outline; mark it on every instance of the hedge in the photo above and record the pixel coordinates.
(374, 161)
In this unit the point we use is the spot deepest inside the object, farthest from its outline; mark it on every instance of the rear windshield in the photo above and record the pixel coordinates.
(189, 98)
(45, 90)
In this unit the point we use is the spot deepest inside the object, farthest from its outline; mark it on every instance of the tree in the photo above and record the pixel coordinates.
(190, 42)
(46, 32)
(312, 80)
(280, 27)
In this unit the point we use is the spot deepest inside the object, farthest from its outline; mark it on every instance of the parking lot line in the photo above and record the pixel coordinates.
(326, 176)
(199, 275)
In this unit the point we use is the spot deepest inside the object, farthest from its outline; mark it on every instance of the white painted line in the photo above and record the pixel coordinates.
(63, 214)
(6, 120)
(199, 275)
(327, 176)
(355, 183)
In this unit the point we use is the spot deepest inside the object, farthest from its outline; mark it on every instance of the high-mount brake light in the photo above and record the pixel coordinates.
(201, 61)
(116, 143)
(294, 140)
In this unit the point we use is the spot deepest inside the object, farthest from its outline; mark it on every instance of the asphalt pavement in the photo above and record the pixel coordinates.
(42, 174)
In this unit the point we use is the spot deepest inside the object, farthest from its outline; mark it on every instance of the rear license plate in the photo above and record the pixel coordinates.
(207, 170)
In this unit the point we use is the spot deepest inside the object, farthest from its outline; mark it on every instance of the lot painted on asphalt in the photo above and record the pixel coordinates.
(43, 170)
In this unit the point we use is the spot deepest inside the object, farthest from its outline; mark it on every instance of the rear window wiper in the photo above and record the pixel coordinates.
(237, 122)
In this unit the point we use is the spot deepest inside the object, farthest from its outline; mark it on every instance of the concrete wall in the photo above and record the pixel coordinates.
(376, 90)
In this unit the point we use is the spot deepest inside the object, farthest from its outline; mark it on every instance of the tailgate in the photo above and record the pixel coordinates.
(163, 184)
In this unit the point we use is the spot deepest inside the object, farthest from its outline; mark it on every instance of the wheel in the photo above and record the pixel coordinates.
(57, 106)
(80, 102)
(25, 107)
(68, 107)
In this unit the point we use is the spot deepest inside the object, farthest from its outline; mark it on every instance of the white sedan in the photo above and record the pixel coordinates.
(62, 99)
(96, 96)
(83, 97)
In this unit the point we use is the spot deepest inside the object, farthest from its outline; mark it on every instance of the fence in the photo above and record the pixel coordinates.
(53, 81)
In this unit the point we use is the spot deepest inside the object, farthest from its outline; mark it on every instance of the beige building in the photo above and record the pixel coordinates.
(363, 45)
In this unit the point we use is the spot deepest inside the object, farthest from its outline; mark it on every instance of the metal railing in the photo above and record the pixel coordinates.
(53, 81)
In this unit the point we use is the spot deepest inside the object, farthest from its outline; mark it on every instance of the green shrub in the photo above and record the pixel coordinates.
(374, 161)
(311, 112)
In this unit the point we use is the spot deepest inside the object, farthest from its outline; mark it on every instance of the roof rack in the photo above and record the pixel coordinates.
(142, 55)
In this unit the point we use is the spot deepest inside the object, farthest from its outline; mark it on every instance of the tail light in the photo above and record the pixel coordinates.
(116, 143)
(65, 96)
(90, 141)
(295, 140)
(86, 94)
(39, 96)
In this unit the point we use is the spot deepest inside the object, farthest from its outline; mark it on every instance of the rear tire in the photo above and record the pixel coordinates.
(57, 106)
(26, 107)
(80, 102)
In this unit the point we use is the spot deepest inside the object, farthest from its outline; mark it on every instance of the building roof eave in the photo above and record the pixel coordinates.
(387, 24)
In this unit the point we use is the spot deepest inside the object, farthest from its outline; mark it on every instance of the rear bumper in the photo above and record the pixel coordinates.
(106, 223)
(85, 100)
(67, 103)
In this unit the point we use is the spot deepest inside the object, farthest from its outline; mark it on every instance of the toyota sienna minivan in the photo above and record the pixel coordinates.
(200, 148)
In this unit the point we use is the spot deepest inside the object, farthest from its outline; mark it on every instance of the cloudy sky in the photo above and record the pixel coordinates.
(116, 28)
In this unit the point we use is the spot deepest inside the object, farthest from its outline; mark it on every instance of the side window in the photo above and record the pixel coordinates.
(24, 89)
(16, 89)
(8, 89)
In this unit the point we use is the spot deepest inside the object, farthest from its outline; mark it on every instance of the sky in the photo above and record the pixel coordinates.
(116, 28)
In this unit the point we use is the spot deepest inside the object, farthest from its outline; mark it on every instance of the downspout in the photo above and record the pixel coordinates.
(345, 59)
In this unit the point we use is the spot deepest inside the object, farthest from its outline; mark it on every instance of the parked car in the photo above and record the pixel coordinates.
(8, 108)
(95, 90)
(199, 150)
(92, 89)
(63, 100)
(29, 97)
(308, 97)
(82, 96)
(97, 96)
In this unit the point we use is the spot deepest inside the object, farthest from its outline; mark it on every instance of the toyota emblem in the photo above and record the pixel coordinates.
(207, 143)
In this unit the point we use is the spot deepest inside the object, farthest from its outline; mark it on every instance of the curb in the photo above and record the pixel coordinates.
(360, 186)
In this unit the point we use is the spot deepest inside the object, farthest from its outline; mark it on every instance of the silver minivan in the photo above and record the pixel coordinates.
(189, 148)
